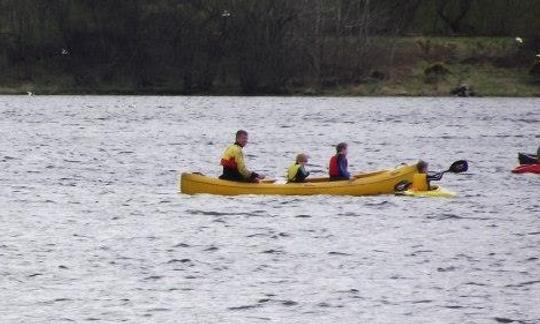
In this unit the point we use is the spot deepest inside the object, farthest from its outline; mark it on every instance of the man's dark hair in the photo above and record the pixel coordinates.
(421, 166)
(340, 147)
(241, 132)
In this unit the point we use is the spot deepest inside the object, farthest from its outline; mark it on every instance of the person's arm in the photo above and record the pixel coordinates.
(241, 165)
(301, 175)
(434, 176)
(342, 163)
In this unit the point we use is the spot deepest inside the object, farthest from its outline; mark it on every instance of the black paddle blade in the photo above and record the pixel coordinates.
(402, 186)
(459, 166)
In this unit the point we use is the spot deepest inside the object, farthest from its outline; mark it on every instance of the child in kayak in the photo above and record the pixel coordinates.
(338, 168)
(421, 180)
(297, 171)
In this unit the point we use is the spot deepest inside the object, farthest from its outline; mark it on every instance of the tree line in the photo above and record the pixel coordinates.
(249, 46)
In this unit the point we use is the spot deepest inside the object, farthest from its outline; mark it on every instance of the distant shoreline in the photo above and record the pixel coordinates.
(423, 67)
(340, 93)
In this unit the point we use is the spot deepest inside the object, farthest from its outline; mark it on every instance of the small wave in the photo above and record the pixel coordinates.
(289, 303)
(272, 251)
(523, 284)
(217, 213)
(379, 204)
(61, 300)
(159, 309)
(179, 261)
(470, 283)
(415, 253)
(280, 235)
(422, 301)
(243, 307)
(182, 245)
(339, 253)
(503, 320)
(258, 235)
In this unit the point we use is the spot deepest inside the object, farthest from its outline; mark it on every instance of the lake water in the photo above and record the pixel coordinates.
(93, 229)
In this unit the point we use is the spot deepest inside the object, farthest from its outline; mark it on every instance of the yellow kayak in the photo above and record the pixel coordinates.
(438, 192)
(373, 183)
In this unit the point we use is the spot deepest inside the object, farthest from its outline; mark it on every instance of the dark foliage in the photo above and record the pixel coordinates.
(248, 46)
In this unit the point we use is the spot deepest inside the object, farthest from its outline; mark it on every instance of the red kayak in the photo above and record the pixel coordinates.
(527, 168)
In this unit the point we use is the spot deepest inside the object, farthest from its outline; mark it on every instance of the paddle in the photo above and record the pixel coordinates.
(458, 167)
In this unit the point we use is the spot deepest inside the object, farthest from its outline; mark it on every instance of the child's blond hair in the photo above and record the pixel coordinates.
(302, 157)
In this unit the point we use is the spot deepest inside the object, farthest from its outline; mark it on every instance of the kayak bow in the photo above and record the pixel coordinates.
(527, 168)
(438, 192)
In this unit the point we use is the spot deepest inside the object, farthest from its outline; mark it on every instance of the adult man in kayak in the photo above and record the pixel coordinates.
(338, 166)
(234, 167)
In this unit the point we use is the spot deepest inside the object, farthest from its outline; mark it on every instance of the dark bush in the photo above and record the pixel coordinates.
(436, 72)
(535, 71)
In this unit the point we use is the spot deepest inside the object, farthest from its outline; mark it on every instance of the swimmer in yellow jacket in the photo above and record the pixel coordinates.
(421, 180)
(297, 171)
(234, 166)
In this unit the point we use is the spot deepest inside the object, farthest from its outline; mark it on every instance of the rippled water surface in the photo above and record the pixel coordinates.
(93, 229)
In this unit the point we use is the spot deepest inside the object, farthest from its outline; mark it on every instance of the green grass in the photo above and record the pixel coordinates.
(474, 61)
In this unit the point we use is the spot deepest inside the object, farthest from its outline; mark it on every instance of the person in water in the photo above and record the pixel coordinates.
(297, 171)
(421, 180)
(234, 166)
(338, 168)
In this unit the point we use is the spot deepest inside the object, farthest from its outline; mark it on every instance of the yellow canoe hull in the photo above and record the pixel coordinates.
(374, 183)
(435, 193)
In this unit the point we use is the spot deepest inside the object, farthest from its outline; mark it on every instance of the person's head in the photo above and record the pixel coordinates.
(302, 158)
(422, 166)
(341, 148)
(242, 137)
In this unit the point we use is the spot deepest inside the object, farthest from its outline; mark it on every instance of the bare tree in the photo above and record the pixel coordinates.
(454, 17)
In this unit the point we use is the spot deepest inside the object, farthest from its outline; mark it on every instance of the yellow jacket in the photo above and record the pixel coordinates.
(296, 173)
(420, 182)
(292, 172)
(233, 158)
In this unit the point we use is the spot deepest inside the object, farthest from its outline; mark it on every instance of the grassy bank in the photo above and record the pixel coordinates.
(487, 66)
(487, 81)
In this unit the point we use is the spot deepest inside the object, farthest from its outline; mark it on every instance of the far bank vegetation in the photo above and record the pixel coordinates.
(359, 47)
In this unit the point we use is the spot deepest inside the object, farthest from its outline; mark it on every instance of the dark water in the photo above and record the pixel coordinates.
(92, 227)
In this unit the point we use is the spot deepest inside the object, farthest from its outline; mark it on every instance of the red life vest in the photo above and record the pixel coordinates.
(333, 168)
